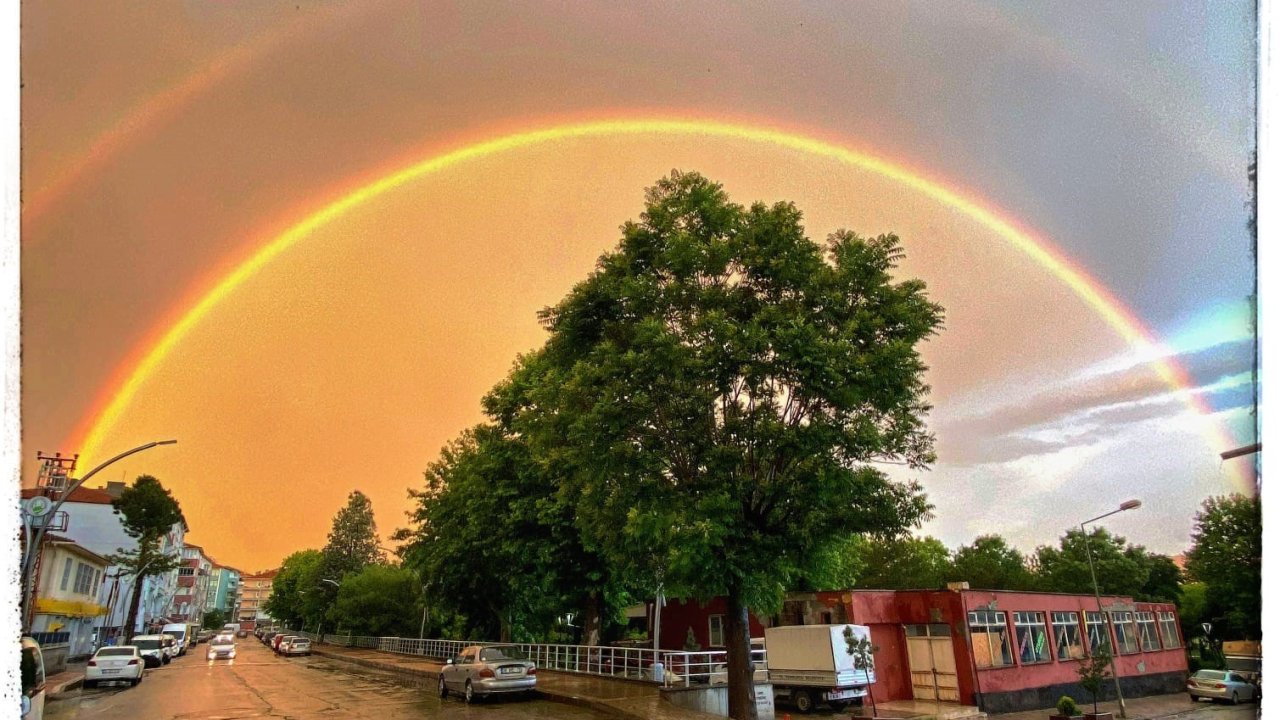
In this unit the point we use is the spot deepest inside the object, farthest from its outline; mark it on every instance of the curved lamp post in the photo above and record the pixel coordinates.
(1126, 505)
(33, 549)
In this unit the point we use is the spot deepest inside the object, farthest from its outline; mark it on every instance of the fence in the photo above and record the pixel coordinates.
(668, 667)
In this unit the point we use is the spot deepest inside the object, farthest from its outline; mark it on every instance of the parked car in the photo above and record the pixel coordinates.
(222, 647)
(170, 646)
(242, 633)
(119, 663)
(180, 632)
(32, 670)
(1221, 685)
(151, 648)
(296, 646)
(204, 636)
(481, 671)
(280, 639)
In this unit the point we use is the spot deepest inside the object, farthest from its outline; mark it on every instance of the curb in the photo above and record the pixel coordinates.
(64, 687)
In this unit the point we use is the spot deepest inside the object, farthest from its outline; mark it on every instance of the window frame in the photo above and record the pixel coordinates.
(1124, 619)
(983, 622)
(1067, 619)
(84, 579)
(1096, 620)
(66, 574)
(1031, 621)
(1146, 622)
(1169, 641)
(712, 630)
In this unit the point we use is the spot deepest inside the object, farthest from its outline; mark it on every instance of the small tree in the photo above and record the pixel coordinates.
(1093, 671)
(863, 653)
(214, 619)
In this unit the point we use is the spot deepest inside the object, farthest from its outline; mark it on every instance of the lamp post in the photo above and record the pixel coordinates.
(33, 549)
(1097, 595)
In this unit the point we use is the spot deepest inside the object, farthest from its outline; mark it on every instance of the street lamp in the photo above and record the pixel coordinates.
(33, 550)
(1126, 505)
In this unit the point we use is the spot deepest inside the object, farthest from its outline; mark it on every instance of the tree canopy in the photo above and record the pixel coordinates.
(720, 390)
(989, 562)
(379, 600)
(297, 599)
(1121, 569)
(353, 539)
(1226, 555)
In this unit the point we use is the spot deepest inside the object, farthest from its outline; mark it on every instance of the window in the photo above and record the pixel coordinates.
(1033, 645)
(186, 572)
(1096, 627)
(990, 639)
(97, 579)
(1147, 631)
(66, 574)
(715, 634)
(84, 579)
(1126, 639)
(1169, 630)
(1066, 635)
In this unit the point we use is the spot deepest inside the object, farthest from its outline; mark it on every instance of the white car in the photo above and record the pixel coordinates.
(222, 647)
(296, 646)
(121, 663)
(32, 670)
(151, 648)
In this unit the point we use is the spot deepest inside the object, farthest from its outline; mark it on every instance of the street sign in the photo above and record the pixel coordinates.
(1208, 627)
(38, 506)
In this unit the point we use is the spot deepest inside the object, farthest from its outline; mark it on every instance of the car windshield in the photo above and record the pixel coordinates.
(222, 641)
(176, 633)
(1211, 675)
(147, 644)
(492, 654)
(116, 651)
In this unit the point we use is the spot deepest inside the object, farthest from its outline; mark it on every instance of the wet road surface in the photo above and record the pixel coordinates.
(258, 684)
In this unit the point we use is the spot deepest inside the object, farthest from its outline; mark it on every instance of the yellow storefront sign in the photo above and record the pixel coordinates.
(69, 608)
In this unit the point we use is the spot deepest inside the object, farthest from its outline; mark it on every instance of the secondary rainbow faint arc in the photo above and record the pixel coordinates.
(1112, 311)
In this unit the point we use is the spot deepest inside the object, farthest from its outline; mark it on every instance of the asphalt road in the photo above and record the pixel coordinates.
(257, 684)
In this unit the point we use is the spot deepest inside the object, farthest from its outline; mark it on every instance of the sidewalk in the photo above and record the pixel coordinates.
(620, 698)
(69, 679)
(1143, 708)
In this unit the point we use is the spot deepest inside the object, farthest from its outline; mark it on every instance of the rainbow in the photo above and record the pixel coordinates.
(142, 364)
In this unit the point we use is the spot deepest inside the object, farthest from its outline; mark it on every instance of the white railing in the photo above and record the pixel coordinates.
(707, 667)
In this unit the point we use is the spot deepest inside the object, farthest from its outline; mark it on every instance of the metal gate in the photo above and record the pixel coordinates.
(933, 663)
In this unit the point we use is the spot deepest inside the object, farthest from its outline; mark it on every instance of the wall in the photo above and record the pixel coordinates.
(680, 615)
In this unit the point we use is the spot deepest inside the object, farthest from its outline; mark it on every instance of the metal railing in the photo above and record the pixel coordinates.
(666, 667)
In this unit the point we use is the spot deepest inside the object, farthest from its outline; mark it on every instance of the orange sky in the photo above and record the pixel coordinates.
(164, 143)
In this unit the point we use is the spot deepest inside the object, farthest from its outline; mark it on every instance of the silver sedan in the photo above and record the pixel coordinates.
(1220, 685)
(479, 671)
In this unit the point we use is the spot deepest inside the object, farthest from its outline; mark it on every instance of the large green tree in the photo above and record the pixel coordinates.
(1226, 555)
(722, 388)
(905, 563)
(990, 563)
(214, 619)
(1164, 580)
(353, 540)
(379, 600)
(148, 512)
(297, 596)
(1121, 569)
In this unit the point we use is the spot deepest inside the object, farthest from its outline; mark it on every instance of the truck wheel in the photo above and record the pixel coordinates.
(803, 700)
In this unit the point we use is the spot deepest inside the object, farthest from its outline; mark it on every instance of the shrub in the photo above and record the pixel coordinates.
(1067, 706)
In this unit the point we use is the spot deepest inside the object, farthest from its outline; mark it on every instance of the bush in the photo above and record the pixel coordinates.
(1067, 706)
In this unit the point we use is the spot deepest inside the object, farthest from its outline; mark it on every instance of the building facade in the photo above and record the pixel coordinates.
(68, 585)
(194, 578)
(93, 524)
(254, 591)
(998, 650)
(224, 591)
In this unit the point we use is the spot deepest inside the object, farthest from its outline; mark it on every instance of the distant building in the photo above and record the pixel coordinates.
(224, 591)
(94, 525)
(254, 591)
(193, 585)
(68, 584)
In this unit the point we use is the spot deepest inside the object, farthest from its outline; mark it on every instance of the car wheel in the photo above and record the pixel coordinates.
(134, 682)
(1235, 698)
(469, 695)
(803, 700)
(444, 690)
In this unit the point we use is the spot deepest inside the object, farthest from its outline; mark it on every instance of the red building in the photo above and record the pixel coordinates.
(999, 650)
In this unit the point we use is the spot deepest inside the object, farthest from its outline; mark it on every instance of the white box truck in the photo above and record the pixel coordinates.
(809, 664)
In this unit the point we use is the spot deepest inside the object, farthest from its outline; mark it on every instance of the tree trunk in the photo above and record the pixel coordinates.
(591, 619)
(741, 674)
(504, 628)
(135, 598)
